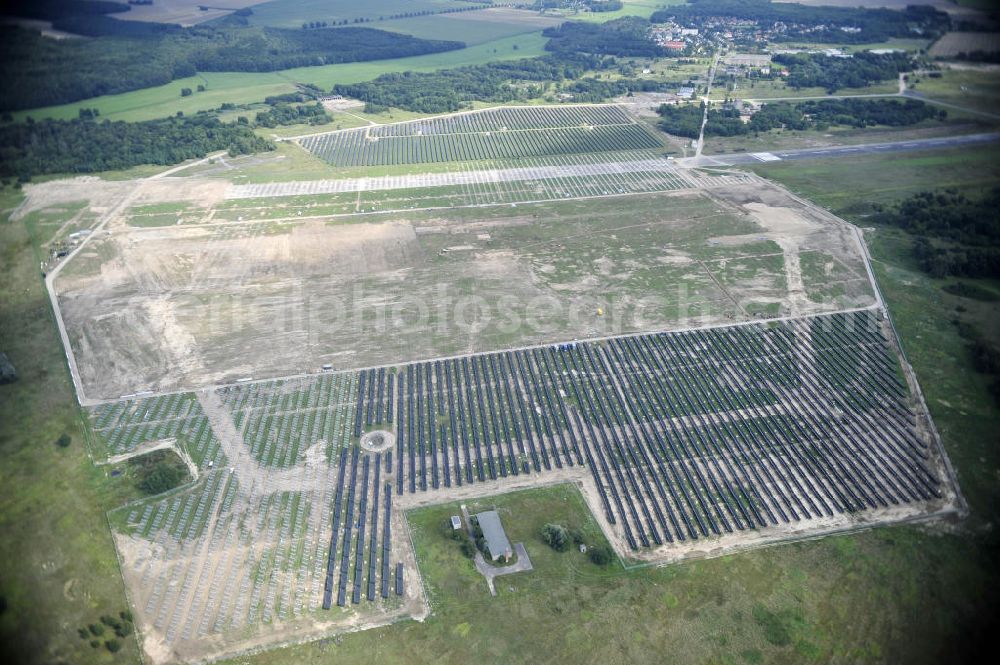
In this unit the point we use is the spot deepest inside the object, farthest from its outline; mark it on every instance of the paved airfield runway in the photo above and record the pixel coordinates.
(838, 151)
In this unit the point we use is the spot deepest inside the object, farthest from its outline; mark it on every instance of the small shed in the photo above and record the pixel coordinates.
(496, 538)
(456, 522)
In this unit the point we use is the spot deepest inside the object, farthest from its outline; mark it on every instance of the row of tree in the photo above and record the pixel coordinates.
(627, 37)
(37, 71)
(87, 146)
(818, 24)
(957, 235)
(288, 114)
(727, 121)
(811, 70)
(450, 89)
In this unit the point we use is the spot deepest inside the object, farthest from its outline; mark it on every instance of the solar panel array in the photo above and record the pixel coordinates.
(687, 435)
(505, 133)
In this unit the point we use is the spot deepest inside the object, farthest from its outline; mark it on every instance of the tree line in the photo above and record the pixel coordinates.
(625, 37)
(286, 114)
(450, 90)
(87, 146)
(956, 235)
(811, 70)
(37, 71)
(817, 24)
(727, 121)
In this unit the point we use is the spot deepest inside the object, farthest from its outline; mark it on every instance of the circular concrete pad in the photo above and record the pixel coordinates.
(377, 441)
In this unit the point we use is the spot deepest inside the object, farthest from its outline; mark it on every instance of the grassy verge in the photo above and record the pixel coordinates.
(972, 88)
(782, 139)
(778, 89)
(851, 185)
(60, 572)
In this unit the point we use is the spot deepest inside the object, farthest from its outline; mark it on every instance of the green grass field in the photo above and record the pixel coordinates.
(906, 44)
(851, 185)
(978, 90)
(60, 571)
(293, 13)
(784, 139)
(245, 88)
(470, 27)
(643, 8)
(745, 89)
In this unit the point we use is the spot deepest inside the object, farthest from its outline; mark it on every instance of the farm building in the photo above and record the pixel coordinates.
(496, 539)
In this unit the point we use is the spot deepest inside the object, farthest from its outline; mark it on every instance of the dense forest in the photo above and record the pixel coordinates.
(37, 71)
(686, 120)
(287, 114)
(450, 89)
(625, 37)
(832, 72)
(795, 22)
(85, 145)
(56, 10)
(955, 235)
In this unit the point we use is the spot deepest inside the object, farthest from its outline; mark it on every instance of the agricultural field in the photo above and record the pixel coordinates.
(954, 43)
(182, 12)
(472, 27)
(502, 133)
(293, 13)
(250, 87)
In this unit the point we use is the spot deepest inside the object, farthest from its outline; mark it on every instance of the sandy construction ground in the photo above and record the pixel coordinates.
(176, 307)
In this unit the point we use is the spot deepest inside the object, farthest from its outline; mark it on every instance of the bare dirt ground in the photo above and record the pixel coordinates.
(252, 577)
(173, 307)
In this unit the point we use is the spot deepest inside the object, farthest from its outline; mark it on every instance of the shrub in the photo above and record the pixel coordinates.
(95, 643)
(64, 440)
(467, 548)
(556, 536)
(185, 92)
(126, 615)
(601, 555)
(96, 629)
(114, 646)
(972, 291)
